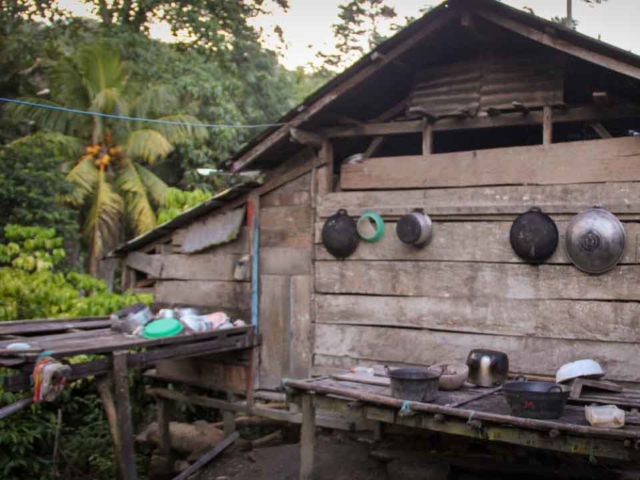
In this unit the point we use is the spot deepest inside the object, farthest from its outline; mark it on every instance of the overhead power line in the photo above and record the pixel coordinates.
(137, 119)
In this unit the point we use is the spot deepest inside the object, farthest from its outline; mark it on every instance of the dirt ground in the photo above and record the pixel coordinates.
(337, 458)
(341, 456)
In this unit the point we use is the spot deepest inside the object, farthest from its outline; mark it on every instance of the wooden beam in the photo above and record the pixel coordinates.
(326, 157)
(306, 138)
(373, 147)
(143, 262)
(601, 99)
(611, 160)
(123, 412)
(547, 126)
(206, 458)
(600, 130)
(521, 107)
(620, 198)
(164, 419)
(351, 80)
(553, 41)
(427, 138)
(15, 407)
(307, 438)
(497, 120)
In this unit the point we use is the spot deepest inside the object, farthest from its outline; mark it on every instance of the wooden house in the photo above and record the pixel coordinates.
(474, 113)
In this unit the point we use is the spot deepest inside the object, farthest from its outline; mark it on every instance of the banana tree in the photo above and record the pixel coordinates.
(113, 185)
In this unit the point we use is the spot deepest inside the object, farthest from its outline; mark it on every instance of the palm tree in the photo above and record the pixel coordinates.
(111, 183)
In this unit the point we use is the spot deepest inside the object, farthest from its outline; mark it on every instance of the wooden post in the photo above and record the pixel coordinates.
(105, 389)
(547, 126)
(164, 420)
(126, 454)
(427, 137)
(377, 431)
(326, 152)
(229, 417)
(307, 437)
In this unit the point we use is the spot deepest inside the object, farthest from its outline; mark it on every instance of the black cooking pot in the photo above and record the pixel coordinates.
(541, 400)
(534, 236)
(340, 234)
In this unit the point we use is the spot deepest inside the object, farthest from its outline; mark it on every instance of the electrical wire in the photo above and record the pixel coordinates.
(136, 119)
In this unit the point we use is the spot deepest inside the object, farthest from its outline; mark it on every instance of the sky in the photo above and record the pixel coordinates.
(307, 23)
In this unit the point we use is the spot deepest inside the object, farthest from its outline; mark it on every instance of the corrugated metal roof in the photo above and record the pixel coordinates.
(185, 218)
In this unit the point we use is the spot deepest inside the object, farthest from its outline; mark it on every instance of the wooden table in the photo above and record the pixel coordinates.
(110, 352)
(487, 419)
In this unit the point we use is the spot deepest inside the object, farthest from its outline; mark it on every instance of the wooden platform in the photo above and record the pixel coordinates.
(104, 341)
(486, 419)
(109, 355)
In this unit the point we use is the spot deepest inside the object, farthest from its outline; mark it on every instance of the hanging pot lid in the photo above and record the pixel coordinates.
(415, 229)
(595, 240)
(340, 235)
(534, 236)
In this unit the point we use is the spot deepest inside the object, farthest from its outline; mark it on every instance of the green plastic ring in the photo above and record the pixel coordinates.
(366, 230)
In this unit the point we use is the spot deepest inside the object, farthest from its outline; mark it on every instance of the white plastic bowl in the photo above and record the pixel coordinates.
(579, 369)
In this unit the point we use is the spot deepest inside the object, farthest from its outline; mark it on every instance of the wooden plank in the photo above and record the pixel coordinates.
(350, 81)
(49, 326)
(547, 126)
(277, 199)
(464, 280)
(127, 456)
(149, 264)
(619, 198)
(275, 294)
(532, 355)
(458, 241)
(307, 438)
(293, 218)
(427, 138)
(563, 319)
(213, 230)
(605, 160)
(223, 295)
(506, 119)
(285, 261)
(275, 237)
(208, 457)
(301, 345)
(202, 266)
(163, 408)
(549, 39)
(322, 180)
(211, 372)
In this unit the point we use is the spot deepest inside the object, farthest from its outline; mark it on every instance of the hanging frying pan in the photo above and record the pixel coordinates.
(340, 235)
(534, 236)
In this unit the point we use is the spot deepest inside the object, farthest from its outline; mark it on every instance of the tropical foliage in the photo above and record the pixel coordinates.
(33, 286)
(110, 178)
(29, 195)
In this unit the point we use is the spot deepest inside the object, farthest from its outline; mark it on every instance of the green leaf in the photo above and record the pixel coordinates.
(102, 225)
(138, 206)
(84, 176)
(148, 145)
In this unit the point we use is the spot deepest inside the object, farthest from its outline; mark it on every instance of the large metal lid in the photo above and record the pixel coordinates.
(595, 240)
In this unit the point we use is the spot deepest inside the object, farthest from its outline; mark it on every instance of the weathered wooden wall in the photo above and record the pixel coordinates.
(285, 284)
(390, 303)
(206, 279)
